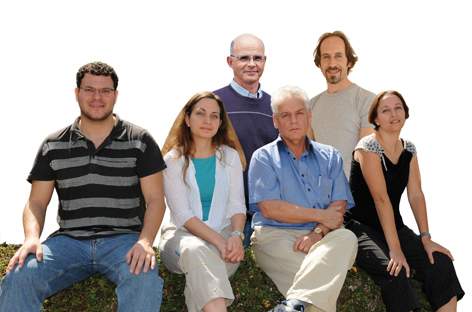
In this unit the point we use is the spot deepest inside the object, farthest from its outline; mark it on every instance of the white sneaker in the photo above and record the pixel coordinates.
(281, 307)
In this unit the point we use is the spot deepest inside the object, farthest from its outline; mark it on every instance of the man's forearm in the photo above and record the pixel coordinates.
(35, 209)
(286, 212)
(152, 220)
(33, 219)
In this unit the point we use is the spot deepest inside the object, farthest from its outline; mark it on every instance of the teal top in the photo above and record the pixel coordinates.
(205, 176)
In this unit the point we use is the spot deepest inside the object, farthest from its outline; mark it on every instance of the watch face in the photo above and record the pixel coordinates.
(318, 230)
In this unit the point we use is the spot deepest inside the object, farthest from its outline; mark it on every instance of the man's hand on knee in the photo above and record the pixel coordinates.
(304, 242)
(141, 257)
(30, 246)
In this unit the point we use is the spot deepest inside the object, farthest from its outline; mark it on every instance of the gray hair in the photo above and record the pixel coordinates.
(288, 92)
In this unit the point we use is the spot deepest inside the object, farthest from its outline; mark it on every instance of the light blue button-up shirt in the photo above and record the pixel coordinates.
(241, 91)
(313, 181)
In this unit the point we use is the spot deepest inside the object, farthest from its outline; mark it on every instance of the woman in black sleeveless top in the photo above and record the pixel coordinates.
(383, 166)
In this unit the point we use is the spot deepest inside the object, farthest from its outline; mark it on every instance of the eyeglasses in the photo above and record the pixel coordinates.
(89, 91)
(259, 59)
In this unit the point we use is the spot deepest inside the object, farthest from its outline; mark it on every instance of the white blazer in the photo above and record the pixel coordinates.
(183, 199)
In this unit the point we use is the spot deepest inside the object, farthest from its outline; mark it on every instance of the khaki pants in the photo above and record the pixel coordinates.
(206, 274)
(316, 277)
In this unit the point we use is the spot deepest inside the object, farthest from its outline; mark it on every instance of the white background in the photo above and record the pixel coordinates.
(164, 52)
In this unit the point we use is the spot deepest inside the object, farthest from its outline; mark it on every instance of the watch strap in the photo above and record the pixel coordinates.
(237, 233)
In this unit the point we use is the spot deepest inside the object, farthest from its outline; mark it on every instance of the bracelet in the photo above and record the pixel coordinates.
(425, 234)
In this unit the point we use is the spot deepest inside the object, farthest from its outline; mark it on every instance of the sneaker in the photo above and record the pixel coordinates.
(283, 307)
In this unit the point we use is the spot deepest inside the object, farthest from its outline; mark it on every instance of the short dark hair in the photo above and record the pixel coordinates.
(349, 51)
(97, 69)
(376, 102)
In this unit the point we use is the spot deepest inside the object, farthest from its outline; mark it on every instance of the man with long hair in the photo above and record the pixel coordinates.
(339, 113)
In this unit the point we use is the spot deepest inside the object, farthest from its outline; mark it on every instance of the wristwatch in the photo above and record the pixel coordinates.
(239, 234)
(318, 230)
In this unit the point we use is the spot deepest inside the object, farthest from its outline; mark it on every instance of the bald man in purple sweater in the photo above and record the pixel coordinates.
(247, 105)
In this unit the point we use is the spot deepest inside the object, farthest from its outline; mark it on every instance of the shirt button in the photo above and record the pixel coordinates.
(303, 175)
(309, 190)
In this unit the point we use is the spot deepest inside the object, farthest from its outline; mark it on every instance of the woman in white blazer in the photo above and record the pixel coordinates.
(204, 191)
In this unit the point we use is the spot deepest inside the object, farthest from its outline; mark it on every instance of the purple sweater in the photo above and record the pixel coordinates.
(252, 120)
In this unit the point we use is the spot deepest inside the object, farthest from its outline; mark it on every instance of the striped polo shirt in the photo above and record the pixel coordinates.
(98, 188)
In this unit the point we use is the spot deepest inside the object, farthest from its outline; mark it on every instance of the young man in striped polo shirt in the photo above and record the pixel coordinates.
(108, 177)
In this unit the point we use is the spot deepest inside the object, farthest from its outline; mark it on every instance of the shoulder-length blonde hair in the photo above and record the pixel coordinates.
(180, 137)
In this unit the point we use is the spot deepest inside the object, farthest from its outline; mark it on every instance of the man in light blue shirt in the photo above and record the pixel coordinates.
(301, 194)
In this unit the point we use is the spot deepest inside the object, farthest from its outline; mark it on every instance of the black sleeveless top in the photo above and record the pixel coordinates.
(396, 179)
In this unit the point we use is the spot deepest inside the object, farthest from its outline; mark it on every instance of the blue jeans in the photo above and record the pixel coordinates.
(67, 261)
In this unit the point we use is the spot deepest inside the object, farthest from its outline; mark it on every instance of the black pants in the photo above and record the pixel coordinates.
(440, 282)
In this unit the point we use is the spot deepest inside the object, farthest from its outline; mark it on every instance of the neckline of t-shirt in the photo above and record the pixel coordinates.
(203, 158)
(340, 92)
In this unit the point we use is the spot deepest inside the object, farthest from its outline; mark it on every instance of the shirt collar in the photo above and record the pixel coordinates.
(243, 92)
(308, 146)
(76, 134)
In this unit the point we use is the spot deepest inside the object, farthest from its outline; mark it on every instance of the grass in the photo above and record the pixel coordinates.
(253, 291)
